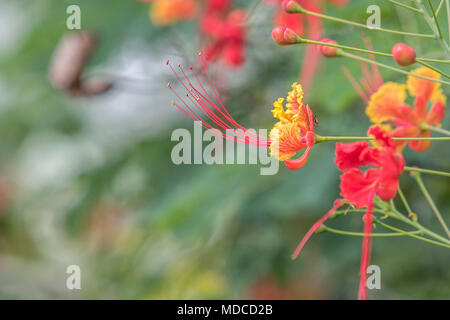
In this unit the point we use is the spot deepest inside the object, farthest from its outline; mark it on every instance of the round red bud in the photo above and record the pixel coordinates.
(291, 6)
(403, 54)
(284, 36)
(326, 51)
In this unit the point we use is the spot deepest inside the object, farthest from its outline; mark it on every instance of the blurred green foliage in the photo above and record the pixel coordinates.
(90, 182)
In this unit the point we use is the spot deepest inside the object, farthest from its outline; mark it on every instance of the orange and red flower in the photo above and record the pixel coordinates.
(294, 131)
(359, 187)
(226, 33)
(166, 12)
(387, 107)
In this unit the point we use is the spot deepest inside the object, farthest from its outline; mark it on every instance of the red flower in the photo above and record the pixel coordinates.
(387, 107)
(217, 5)
(359, 187)
(294, 131)
(226, 33)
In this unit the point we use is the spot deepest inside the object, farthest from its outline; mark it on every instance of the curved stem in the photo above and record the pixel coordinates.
(399, 216)
(434, 27)
(439, 7)
(324, 228)
(409, 234)
(448, 17)
(299, 9)
(436, 22)
(404, 201)
(340, 212)
(406, 7)
(433, 60)
(440, 130)
(352, 56)
(425, 192)
(377, 53)
(427, 171)
(433, 68)
(336, 45)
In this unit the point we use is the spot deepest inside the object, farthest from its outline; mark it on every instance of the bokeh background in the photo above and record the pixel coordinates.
(89, 181)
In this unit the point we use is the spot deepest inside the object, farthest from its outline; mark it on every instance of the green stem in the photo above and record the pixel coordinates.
(377, 53)
(427, 171)
(324, 228)
(320, 139)
(448, 17)
(340, 212)
(299, 9)
(432, 60)
(440, 130)
(425, 192)
(436, 22)
(434, 28)
(406, 7)
(439, 7)
(409, 234)
(349, 55)
(335, 45)
(404, 201)
(433, 68)
(399, 216)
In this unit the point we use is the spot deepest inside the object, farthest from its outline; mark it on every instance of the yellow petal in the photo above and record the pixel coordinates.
(421, 87)
(384, 103)
(285, 140)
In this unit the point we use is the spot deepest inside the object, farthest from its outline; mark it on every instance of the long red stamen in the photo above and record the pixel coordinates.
(355, 85)
(226, 115)
(338, 203)
(207, 109)
(366, 249)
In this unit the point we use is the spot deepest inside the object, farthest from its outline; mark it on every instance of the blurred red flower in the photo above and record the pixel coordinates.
(225, 32)
(359, 187)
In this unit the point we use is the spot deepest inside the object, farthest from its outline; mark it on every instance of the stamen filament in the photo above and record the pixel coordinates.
(205, 105)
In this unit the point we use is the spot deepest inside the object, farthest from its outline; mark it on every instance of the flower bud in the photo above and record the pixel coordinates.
(403, 54)
(291, 6)
(326, 51)
(284, 36)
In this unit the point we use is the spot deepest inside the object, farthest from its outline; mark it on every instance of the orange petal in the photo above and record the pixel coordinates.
(436, 114)
(298, 163)
(403, 132)
(165, 12)
(296, 107)
(421, 87)
(421, 146)
(384, 103)
(285, 140)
